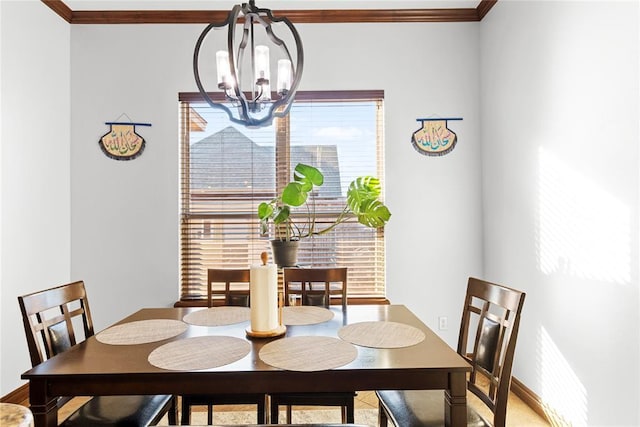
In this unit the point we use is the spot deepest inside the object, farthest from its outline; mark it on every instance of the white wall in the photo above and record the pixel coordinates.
(560, 158)
(35, 141)
(560, 164)
(125, 214)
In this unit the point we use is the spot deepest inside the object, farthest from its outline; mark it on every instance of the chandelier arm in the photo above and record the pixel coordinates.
(253, 59)
(243, 43)
(233, 60)
(196, 67)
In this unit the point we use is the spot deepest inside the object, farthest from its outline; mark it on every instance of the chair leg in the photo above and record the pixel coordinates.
(261, 411)
(382, 417)
(274, 413)
(210, 414)
(350, 413)
(185, 418)
(172, 413)
(288, 414)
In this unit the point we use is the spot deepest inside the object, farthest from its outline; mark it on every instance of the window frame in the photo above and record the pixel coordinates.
(283, 174)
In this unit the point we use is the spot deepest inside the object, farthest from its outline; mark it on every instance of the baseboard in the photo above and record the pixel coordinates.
(535, 402)
(19, 396)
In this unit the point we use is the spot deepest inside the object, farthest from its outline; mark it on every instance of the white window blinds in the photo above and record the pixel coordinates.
(226, 170)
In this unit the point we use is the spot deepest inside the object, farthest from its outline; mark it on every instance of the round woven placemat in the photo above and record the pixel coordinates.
(308, 353)
(218, 316)
(305, 315)
(381, 334)
(197, 353)
(142, 331)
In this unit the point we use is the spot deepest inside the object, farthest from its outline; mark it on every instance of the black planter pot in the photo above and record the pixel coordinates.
(285, 252)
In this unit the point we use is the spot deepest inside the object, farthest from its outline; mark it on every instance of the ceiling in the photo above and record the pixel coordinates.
(298, 11)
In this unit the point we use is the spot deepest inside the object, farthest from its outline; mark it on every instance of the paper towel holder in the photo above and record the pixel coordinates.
(278, 331)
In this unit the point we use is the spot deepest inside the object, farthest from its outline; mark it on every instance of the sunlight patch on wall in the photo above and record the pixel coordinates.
(564, 396)
(583, 231)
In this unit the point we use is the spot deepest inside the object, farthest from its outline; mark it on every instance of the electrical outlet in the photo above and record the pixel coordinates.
(443, 323)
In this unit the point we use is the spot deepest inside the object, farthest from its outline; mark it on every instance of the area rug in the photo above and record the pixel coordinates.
(368, 417)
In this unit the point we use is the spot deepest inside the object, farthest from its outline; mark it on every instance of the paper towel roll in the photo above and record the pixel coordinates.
(264, 297)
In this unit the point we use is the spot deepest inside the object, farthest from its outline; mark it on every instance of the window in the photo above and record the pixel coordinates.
(226, 170)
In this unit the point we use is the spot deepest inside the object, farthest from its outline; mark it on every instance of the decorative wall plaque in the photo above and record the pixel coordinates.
(122, 142)
(434, 138)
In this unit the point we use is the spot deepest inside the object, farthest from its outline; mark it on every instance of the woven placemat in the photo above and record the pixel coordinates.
(307, 354)
(305, 315)
(381, 334)
(218, 316)
(142, 331)
(197, 353)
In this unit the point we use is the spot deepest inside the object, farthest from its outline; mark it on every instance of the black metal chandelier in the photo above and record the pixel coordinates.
(250, 101)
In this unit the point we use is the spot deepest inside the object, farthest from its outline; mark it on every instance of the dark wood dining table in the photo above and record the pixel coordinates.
(94, 368)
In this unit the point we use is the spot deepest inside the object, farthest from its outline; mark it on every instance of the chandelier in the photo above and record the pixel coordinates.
(243, 67)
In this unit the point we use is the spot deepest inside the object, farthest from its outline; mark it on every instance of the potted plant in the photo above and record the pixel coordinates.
(362, 202)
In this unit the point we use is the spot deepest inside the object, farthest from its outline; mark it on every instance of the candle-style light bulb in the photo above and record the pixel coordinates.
(262, 73)
(225, 79)
(284, 76)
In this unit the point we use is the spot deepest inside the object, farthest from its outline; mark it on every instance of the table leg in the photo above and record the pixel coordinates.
(455, 397)
(43, 407)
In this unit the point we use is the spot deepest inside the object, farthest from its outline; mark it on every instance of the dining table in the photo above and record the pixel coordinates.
(191, 350)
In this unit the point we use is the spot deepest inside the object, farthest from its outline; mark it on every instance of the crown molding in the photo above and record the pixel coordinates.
(60, 8)
(484, 7)
(296, 16)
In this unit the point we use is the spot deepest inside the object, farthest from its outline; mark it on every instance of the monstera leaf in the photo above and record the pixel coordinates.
(305, 178)
(308, 176)
(373, 213)
(362, 202)
(362, 199)
(361, 191)
(265, 210)
(294, 194)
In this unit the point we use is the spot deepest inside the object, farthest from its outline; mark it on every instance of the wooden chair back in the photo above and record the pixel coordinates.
(320, 287)
(58, 318)
(52, 320)
(231, 293)
(488, 334)
(316, 286)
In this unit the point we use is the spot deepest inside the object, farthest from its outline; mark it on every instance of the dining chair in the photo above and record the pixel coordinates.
(58, 318)
(225, 287)
(228, 287)
(487, 340)
(318, 287)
